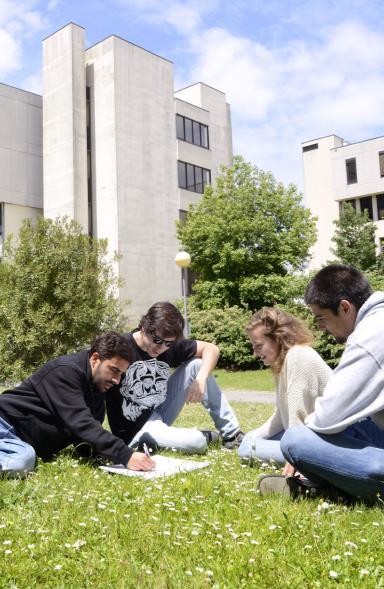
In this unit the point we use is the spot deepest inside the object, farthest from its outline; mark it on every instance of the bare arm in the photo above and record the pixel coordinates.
(209, 354)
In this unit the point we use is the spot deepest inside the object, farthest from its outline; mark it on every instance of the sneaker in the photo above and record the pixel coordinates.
(149, 442)
(269, 484)
(233, 441)
(210, 435)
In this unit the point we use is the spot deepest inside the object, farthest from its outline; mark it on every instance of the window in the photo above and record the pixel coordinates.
(193, 177)
(382, 245)
(380, 206)
(381, 163)
(310, 147)
(352, 202)
(192, 131)
(366, 205)
(351, 170)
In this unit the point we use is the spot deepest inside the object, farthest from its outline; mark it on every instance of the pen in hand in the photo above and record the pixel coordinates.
(146, 450)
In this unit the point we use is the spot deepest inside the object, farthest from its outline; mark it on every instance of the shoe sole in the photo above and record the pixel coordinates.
(277, 484)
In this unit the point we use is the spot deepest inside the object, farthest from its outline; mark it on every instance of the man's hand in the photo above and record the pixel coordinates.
(140, 461)
(195, 392)
(289, 470)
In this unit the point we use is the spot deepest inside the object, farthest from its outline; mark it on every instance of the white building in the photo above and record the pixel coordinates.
(113, 159)
(21, 164)
(336, 171)
(124, 155)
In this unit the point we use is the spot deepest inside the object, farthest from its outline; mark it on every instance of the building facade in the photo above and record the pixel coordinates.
(21, 159)
(335, 172)
(124, 155)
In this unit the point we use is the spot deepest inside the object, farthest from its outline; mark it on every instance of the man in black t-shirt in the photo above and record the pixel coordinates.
(150, 398)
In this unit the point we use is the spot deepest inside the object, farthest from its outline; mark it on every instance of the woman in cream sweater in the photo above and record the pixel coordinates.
(283, 342)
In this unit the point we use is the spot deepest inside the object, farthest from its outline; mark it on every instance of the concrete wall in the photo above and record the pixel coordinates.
(134, 147)
(14, 216)
(21, 164)
(64, 123)
(367, 164)
(206, 105)
(325, 185)
(318, 190)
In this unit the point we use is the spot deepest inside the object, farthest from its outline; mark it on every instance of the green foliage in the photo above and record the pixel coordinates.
(245, 236)
(355, 238)
(225, 328)
(57, 295)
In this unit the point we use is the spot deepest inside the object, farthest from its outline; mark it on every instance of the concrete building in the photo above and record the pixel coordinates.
(336, 171)
(21, 163)
(124, 155)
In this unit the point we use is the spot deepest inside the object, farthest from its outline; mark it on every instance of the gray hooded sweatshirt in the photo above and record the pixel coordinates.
(355, 389)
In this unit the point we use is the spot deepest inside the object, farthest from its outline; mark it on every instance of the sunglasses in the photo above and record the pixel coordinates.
(160, 341)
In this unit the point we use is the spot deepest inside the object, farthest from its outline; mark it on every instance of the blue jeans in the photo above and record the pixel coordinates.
(262, 448)
(188, 440)
(16, 456)
(352, 460)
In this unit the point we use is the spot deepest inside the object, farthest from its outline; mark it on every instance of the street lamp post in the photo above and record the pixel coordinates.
(183, 260)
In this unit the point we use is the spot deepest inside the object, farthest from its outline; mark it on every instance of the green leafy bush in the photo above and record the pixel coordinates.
(225, 328)
(58, 293)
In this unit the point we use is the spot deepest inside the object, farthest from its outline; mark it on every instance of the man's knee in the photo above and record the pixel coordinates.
(293, 440)
(20, 463)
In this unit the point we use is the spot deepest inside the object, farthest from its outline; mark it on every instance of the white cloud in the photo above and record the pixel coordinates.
(18, 21)
(184, 16)
(9, 54)
(329, 83)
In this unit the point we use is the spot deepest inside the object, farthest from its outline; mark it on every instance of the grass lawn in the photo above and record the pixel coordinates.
(70, 525)
(245, 380)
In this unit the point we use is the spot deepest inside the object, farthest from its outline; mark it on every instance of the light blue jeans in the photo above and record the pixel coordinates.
(352, 461)
(264, 449)
(16, 456)
(188, 440)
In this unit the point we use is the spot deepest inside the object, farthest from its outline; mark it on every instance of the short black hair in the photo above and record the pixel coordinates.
(112, 344)
(164, 320)
(335, 283)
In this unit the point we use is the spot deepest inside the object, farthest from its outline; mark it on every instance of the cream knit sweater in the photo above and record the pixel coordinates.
(302, 379)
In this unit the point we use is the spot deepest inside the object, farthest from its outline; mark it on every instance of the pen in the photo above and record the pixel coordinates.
(146, 451)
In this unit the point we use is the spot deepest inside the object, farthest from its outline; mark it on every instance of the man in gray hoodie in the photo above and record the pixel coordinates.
(342, 444)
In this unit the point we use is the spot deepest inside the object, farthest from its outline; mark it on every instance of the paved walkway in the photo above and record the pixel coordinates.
(250, 396)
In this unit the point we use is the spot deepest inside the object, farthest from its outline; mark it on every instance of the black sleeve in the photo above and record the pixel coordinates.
(184, 350)
(63, 390)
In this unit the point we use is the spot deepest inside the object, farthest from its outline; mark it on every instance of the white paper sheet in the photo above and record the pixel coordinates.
(164, 467)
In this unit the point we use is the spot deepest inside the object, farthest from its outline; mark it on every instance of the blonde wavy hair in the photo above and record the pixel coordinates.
(283, 328)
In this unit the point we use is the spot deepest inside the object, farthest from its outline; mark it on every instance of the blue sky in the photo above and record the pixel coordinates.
(292, 70)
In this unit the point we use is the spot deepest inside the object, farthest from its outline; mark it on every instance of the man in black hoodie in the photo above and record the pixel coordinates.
(63, 403)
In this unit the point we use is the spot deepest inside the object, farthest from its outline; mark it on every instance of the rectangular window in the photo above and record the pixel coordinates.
(204, 136)
(192, 177)
(381, 163)
(182, 174)
(350, 166)
(310, 147)
(188, 130)
(380, 206)
(192, 131)
(352, 202)
(180, 133)
(366, 205)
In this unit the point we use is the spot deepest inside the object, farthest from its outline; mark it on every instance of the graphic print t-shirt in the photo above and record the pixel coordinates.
(144, 387)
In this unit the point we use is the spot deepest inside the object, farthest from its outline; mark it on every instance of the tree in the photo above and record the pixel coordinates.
(246, 236)
(355, 238)
(57, 290)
